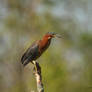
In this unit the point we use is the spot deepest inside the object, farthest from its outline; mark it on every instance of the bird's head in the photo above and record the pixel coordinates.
(51, 35)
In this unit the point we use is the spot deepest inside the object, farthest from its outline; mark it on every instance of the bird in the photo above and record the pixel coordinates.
(38, 48)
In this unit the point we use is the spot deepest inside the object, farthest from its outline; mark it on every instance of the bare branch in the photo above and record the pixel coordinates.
(37, 72)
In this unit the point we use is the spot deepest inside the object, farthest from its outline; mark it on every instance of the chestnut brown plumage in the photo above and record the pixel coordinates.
(37, 48)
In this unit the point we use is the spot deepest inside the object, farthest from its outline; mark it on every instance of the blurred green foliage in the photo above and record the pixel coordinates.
(66, 65)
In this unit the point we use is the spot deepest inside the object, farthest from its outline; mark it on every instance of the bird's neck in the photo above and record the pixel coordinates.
(45, 42)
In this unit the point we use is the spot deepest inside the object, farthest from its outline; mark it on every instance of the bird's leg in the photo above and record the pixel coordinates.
(34, 62)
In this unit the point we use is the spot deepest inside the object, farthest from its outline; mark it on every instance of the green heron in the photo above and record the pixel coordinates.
(37, 48)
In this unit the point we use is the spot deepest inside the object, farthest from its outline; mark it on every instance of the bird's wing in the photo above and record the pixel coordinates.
(31, 53)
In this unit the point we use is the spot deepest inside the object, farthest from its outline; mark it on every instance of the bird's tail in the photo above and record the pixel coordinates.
(23, 58)
(26, 62)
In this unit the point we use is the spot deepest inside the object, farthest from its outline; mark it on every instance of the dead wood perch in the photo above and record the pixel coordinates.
(37, 73)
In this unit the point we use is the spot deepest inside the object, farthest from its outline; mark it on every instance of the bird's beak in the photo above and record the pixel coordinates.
(58, 36)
